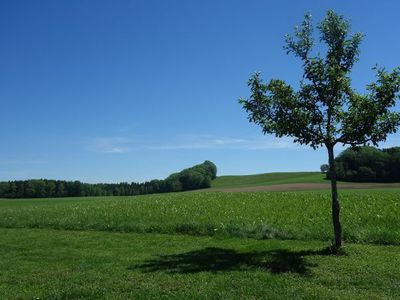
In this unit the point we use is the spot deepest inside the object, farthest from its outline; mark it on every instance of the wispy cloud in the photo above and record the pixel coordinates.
(213, 142)
(250, 143)
(109, 145)
(188, 142)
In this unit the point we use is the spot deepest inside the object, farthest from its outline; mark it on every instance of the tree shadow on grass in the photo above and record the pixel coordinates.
(221, 260)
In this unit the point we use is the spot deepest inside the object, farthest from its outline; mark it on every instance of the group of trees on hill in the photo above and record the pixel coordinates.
(196, 177)
(368, 164)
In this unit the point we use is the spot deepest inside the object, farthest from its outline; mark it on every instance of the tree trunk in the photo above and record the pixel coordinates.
(335, 201)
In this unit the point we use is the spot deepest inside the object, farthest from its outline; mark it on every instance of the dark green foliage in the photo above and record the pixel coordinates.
(196, 177)
(324, 168)
(369, 164)
(393, 165)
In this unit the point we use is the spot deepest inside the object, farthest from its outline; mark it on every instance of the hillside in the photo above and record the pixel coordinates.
(289, 181)
(232, 181)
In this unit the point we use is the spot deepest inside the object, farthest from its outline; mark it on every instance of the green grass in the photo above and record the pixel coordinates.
(200, 245)
(368, 216)
(268, 179)
(48, 264)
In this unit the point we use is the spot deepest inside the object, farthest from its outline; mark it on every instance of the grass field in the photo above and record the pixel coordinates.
(289, 181)
(371, 216)
(268, 179)
(48, 264)
(200, 245)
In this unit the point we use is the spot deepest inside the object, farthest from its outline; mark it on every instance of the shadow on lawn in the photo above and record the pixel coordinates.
(218, 260)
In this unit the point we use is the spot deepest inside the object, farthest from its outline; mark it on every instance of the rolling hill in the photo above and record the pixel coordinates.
(286, 181)
(235, 181)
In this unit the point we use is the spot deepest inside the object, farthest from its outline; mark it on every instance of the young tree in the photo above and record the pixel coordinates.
(326, 110)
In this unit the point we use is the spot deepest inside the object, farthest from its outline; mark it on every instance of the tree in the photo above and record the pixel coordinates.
(211, 169)
(368, 164)
(393, 164)
(50, 188)
(60, 189)
(29, 189)
(326, 110)
(40, 188)
(324, 168)
(192, 179)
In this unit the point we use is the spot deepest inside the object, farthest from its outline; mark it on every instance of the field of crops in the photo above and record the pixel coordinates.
(368, 216)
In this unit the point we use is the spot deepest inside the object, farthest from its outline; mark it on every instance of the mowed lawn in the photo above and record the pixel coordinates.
(59, 264)
(200, 245)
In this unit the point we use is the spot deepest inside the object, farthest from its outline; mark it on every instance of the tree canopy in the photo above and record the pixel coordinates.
(196, 177)
(325, 110)
(369, 164)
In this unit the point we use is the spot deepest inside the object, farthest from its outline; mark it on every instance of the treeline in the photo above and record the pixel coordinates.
(196, 177)
(368, 164)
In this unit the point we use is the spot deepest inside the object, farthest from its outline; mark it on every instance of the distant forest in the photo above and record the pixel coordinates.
(196, 177)
(368, 164)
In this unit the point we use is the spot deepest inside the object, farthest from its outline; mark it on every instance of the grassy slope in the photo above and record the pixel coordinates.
(367, 215)
(48, 264)
(268, 179)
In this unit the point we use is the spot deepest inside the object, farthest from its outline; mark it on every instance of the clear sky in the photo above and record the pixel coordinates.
(109, 91)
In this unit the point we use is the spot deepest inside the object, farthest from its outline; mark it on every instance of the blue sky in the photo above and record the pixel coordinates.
(109, 91)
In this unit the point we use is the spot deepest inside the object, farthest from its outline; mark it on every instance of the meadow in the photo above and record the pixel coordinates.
(200, 245)
(237, 181)
(59, 264)
(368, 216)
